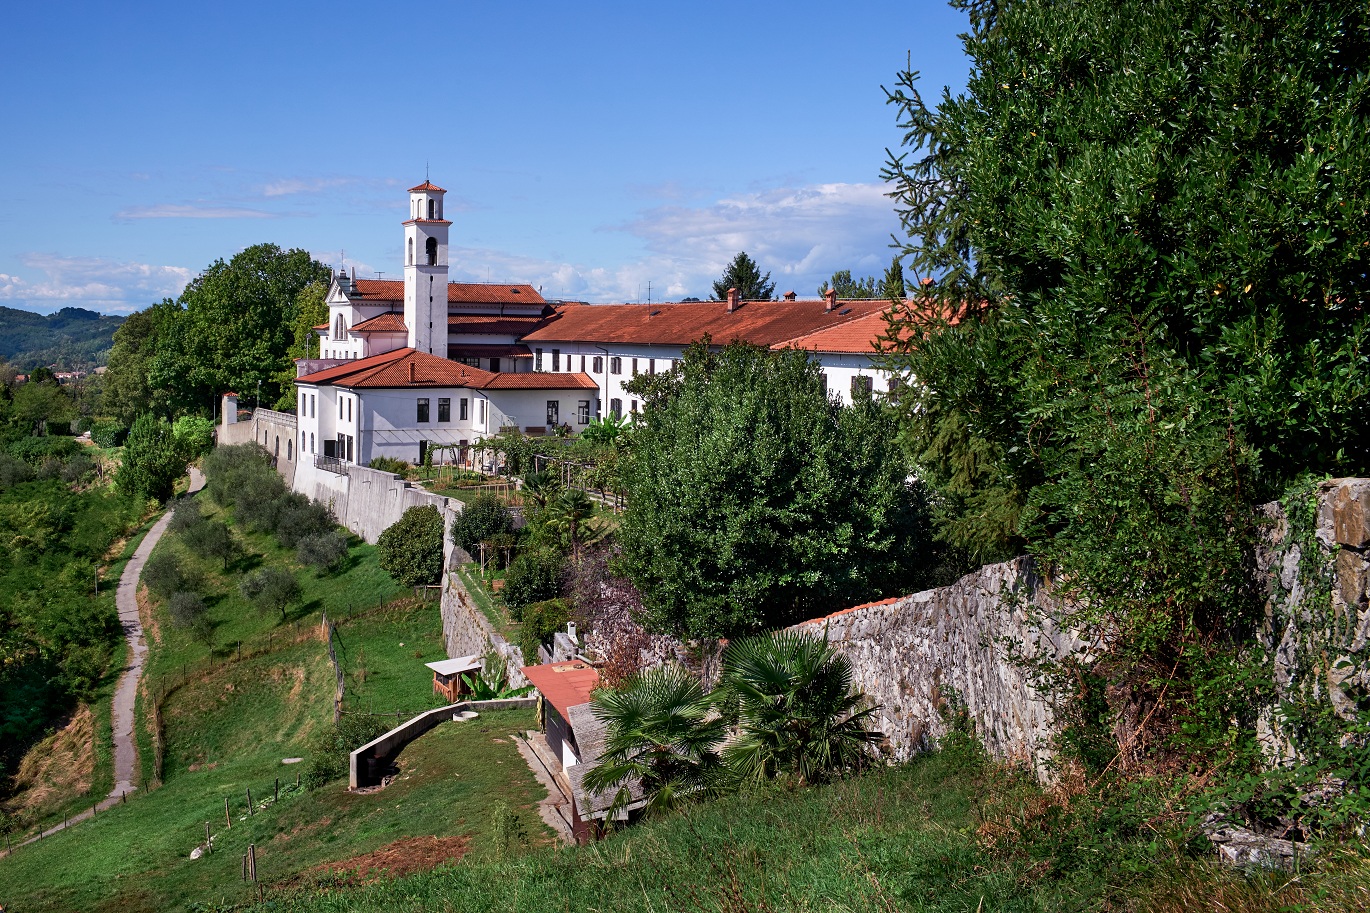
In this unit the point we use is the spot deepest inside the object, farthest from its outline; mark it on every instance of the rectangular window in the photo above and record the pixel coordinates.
(464, 413)
(597, 364)
(537, 359)
(349, 408)
(423, 409)
(860, 384)
(616, 408)
(481, 411)
(634, 407)
(616, 365)
(823, 382)
(311, 405)
(311, 442)
(556, 359)
(350, 456)
(583, 412)
(635, 367)
(553, 412)
(471, 360)
(444, 409)
(494, 365)
(340, 407)
(651, 366)
(582, 364)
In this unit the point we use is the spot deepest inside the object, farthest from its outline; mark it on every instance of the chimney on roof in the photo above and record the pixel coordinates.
(411, 372)
(830, 296)
(732, 300)
(790, 296)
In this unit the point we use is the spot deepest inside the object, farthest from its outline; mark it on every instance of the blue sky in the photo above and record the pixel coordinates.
(588, 148)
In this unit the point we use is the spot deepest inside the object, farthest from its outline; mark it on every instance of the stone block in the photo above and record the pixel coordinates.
(1351, 512)
(1353, 578)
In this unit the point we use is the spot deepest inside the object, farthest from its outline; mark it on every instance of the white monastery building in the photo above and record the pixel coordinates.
(406, 365)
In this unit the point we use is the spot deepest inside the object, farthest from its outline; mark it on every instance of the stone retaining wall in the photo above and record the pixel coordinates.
(467, 632)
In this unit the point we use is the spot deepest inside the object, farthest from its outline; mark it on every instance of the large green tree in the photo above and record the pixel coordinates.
(235, 329)
(743, 274)
(1148, 226)
(754, 501)
(152, 460)
(849, 288)
(127, 391)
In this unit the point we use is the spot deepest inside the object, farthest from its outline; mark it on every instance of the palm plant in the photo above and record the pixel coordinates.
(661, 733)
(798, 716)
(541, 487)
(566, 516)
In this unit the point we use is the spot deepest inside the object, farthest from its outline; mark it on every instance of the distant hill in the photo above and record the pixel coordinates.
(70, 338)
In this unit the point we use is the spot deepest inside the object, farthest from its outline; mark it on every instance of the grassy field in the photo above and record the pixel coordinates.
(383, 654)
(921, 837)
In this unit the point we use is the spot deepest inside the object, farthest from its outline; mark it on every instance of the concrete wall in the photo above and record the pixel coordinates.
(368, 763)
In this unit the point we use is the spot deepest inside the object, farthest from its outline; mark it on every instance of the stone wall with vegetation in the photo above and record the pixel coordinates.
(467, 632)
(974, 645)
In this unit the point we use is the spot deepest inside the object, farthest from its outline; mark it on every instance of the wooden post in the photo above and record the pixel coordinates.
(250, 810)
(278, 790)
(297, 779)
(228, 819)
(209, 843)
(240, 651)
(244, 867)
(252, 860)
(123, 797)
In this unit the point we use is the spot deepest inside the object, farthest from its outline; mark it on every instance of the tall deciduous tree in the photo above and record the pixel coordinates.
(744, 275)
(235, 329)
(755, 502)
(128, 392)
(847, 287)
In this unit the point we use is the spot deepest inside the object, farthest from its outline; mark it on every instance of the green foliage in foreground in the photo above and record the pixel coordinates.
(755, 501)
(411, 547)
(943, 834)
(153, 459)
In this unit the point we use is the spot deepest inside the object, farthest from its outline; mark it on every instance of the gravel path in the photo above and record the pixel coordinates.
(126, 694)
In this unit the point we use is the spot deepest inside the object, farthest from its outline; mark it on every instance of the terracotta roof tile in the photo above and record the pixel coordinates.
(540, 380)
(759, 322)
(564, 685)
(457, 350)
(383, 323)
(427, 186)
(492, 324)
(855, 336)
(393, 369)
(457, 292)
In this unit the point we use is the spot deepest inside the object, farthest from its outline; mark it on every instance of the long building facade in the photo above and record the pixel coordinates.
(407, 365)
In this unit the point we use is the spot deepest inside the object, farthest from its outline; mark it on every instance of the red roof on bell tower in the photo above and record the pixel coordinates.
(427, 186)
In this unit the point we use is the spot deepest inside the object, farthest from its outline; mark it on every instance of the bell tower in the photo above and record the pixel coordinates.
(425, 270)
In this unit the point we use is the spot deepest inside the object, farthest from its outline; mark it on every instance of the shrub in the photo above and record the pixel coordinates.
(271, 589)
(227, 469)
(194, 435)
(185, 513)
(540, 621)
(165, 574)
(108, 432)
(329, 747)
(533, 577)
(185, 609)
(37, 450)
(13, 471)
(152, 462)
(324, 552)
(262, 498)
(299, 518)
(390, 464)
(211, 539)
(483, 518)
(411, 549)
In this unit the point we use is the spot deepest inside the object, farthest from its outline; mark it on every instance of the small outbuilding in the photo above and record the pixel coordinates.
(447, 675)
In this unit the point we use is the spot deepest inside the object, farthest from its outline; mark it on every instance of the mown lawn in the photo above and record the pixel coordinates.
(383, 654)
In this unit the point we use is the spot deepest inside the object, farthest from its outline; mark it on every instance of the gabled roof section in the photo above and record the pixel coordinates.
(456, 350)
(492, 324)
(427, 186)
(402, 368)
(564, 685)
(540, 380)
(763, 323)
(855, 337)
(457, 292)
(383, 323)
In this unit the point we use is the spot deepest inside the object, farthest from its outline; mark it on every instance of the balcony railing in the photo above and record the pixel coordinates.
(330, 464)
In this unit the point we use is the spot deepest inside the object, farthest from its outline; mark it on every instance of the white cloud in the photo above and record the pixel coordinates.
(800, 235)
(183, 211)
(92, 282)
(289, 186)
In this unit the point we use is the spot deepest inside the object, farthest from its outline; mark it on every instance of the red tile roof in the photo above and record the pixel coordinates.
(564, 685)
(760, 322)
(540, 380)
(400, 368)
(427, 186)
(855, 336)
(384, 323)
(393, 370)
(322, 326)
(457, 292)
(492, 324)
